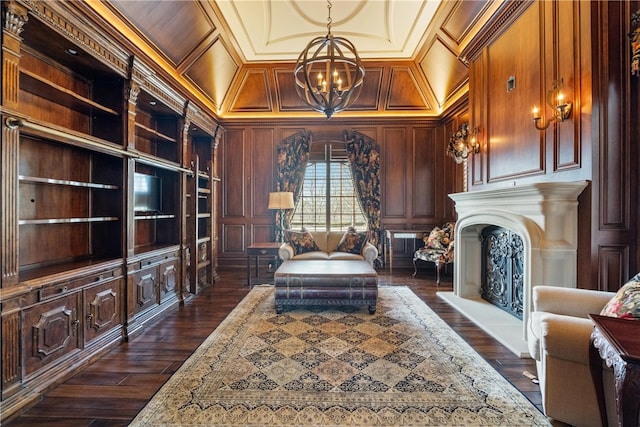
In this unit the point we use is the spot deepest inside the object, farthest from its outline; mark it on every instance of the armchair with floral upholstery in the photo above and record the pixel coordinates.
(438, 249)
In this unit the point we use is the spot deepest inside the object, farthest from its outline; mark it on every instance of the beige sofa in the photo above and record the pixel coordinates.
(559, 340)
(328, 242)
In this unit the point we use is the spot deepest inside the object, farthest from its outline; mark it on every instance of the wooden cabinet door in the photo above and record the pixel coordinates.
(102, 308)
(145, 284)
(50, 331)
(168, 278)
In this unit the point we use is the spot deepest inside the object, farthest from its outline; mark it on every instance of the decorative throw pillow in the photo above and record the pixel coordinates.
(436, 239)
(352, 241)
(625, 303)
(301, 241)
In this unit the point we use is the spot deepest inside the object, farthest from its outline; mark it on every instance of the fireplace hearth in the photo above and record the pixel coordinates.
(545, 216)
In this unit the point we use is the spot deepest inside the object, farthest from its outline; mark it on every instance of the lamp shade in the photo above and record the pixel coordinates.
(281, 200)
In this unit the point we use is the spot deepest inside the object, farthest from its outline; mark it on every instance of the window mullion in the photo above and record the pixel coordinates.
(327, 164)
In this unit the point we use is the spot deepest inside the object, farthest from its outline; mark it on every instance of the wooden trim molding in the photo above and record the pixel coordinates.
(500, 21)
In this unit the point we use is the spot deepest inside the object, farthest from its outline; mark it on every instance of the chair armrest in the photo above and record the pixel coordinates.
(285, 252)
(448, 253)
(566, 337)
(569, 301)
(369, 252)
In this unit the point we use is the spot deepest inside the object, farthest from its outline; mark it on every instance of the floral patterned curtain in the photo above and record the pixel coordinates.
(293, 155)
(364, 156)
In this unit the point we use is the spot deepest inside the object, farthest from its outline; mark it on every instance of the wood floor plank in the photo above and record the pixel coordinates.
(112, 390)
(135, 391)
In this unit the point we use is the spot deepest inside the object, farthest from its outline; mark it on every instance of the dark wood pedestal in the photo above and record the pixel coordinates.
(617, 342)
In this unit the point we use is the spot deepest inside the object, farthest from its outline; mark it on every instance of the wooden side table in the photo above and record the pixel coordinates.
(617, 342)
(256, 250)
(390, 235)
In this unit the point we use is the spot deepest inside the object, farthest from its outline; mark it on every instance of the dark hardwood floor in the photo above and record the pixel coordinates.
(112, 390)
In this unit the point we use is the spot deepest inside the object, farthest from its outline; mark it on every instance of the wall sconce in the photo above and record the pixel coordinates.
(555, 100)
(462, 143)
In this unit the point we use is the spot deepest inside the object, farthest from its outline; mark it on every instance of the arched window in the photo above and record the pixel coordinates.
(328, 200)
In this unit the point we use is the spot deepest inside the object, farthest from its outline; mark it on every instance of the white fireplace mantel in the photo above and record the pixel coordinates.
(544, 215)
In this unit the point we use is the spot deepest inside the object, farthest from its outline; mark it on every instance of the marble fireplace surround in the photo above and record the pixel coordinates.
(545, 215)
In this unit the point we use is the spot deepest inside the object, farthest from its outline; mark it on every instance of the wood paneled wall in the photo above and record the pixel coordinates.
(416, 177)
(585, 44)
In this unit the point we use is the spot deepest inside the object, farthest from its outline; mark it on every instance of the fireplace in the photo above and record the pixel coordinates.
(545, 216)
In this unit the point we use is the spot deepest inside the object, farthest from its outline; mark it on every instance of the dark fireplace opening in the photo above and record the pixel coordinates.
(502, 269)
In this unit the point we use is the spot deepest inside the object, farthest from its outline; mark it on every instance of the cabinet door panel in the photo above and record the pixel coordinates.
(103, 312)
(168, 274)
(50, 332)
(146, 294)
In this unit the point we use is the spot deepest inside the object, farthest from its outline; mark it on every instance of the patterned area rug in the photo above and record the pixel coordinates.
(333, 366)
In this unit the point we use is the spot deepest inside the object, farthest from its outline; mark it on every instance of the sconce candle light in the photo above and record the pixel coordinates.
(463, 142)
(555, 99)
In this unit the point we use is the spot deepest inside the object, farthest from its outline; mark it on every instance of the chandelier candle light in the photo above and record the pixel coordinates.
(329, 73)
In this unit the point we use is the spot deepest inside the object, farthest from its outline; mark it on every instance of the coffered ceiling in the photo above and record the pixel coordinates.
(237, 56)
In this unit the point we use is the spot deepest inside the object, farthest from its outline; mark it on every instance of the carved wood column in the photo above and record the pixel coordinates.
(131, 100)
(187, 275)
(214, 203)
(15, 17)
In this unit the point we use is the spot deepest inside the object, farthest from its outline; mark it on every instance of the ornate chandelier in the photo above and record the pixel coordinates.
(329, 73)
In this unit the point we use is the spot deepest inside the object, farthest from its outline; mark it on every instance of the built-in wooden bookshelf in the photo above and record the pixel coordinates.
(88, 255)
(71, 195)
(155, 176)
(201, 134)
(63, 206)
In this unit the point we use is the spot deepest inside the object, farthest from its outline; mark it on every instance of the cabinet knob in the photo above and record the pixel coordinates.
(90, 316)
(64, 289)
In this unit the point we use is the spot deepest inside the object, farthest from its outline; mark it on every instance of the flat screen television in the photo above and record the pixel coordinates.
(147, 194)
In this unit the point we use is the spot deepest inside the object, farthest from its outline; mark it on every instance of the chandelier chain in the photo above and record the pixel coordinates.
(329, 20)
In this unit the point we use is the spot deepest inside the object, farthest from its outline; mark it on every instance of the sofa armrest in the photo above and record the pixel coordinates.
(569, 301)
(369, 252)
(286, 252)
(566, 337)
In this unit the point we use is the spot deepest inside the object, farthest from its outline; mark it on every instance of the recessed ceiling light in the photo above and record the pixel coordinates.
(72, 51)
(152, 102)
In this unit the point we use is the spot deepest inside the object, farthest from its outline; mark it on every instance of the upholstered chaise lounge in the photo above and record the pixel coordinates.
(326, 268)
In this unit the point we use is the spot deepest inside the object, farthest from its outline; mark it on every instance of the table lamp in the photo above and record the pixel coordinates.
(281, 200)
